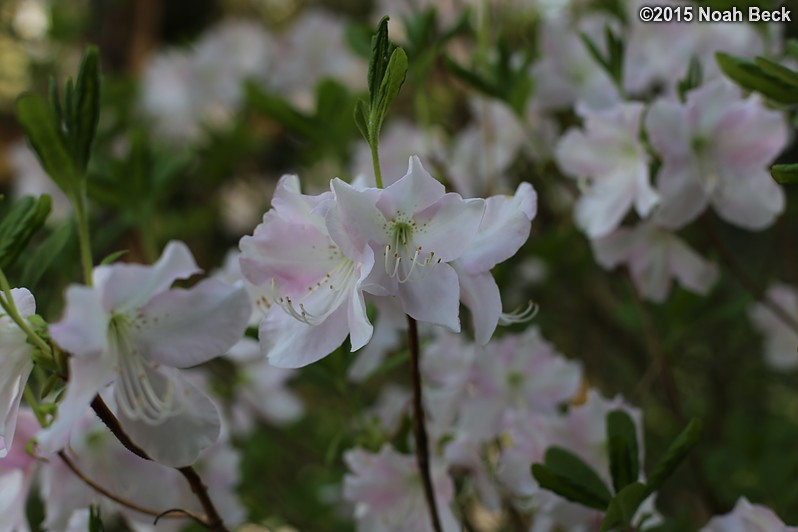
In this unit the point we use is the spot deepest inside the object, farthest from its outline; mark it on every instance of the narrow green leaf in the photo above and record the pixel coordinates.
(95, 523)
(792, 48)
(748, 75)
(86, 107)
(776, 70)
(391, 83)
(569, 476)
(674, 455)
(381, 52)
(38, 122)
(111, 258)
(279, 110)
(24, 219)
(361, 115)
(786, 174)
(45, 255)
(55, 102)
(691, 80)
(595, 53)
(624, 452)
(623, 507)
(471, 78)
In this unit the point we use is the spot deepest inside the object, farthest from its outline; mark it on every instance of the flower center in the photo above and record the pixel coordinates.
(136, 393)
(402, 256)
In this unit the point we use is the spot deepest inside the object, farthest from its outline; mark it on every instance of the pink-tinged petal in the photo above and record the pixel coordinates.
(360, 328)
(291, 204)
(448, 226)
(646, 198)
(289, 343)
(433, 297)
(504, 229)
(87, 376)
(83, 332)
(13, 494)
(650, 272)
(183, 328)
(748, 199)
(614, 248)
(129, 286)
(294, 254)
(24, 301)
(359, 217)
(749, 135)
(578, 156)
(480, 294)
(692, 271)
(668, 130)
(180, 439)
(682, 197)
(414, 192)
(16, 367)
(601, 210)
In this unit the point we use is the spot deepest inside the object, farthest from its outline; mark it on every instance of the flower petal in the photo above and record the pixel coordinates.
(358, 216)
(682, 198)
(179, 440)
(84, 328)
(449, 226)
(289, 343)
(481, 295)
(748, 199)
(433, 297)
(692, 271)
(16, 367)
(414, 192)
(129, 286)
(183, 328)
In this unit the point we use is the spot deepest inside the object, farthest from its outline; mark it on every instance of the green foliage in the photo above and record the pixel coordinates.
(674, 456)
(95, 523)
(19, 223)
(750, 75)
(624, 505)
(612, 62)
(623, 449)
(691, 80)
(46, 255)
(786, 174)
(569, 476)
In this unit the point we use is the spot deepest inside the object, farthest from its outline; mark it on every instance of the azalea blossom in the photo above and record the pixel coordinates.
(386, 489)
(747, 517)
(315, 282)
(781, 340)
(17, 471)
(655, 256)
(612, 165)
(504, 229)
(716, 150)
(132, 330)
(417, 229)
(15, 365)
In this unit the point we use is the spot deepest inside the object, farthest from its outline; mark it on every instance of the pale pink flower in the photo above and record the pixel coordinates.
(611, 162)
(716, 150)
(17, 470)
(387, 492)
(747, 517)
(416, 229)
(15, 365)
(655, 256)
(781, 341)
(315, 281)
(131, 329)
(30, 179)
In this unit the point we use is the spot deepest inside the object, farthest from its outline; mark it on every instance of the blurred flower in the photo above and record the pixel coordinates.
(655, 256)
(30, 179)
(15, 366)
(747, 517)
(612, 162)
(17, 469)
(387, 491)
(781, 341)
(130, 328)
(716, 149)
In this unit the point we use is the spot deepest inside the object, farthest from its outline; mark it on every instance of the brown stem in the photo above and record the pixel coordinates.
(124, 502)
(213, 521)
(745, 281)
(420, 425)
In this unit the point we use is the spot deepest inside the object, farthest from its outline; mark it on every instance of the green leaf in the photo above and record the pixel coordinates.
(111, 258)
(674, 455)
(46, 137)
(692, 79)
(750, 76)
(46, 255)
(623, 449)
(776, 70)
(569, 476)
(792, 48)
(623, 507)
(24, 219)
(381, 53)
(786, 174)
(389, 89)
(279, 110)
(361, 116)
(55, 102)
(474, 79)
(95, 523)
(86, 107)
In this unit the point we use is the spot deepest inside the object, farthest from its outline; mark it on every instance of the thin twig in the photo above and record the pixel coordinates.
(745, 281)
(420, 425)
(213, 520)
(124, 502)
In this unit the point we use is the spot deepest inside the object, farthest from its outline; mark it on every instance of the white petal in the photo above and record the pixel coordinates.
(179, 440)
(358, 216)
(682, 198)
(183, 328)
(448, 227)
(481, 295)
(129, 286)
(749, 199)
(693, 272)
(84, 329)
(414, 192)
(433, 297)
(15, 367)
(289, 343)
